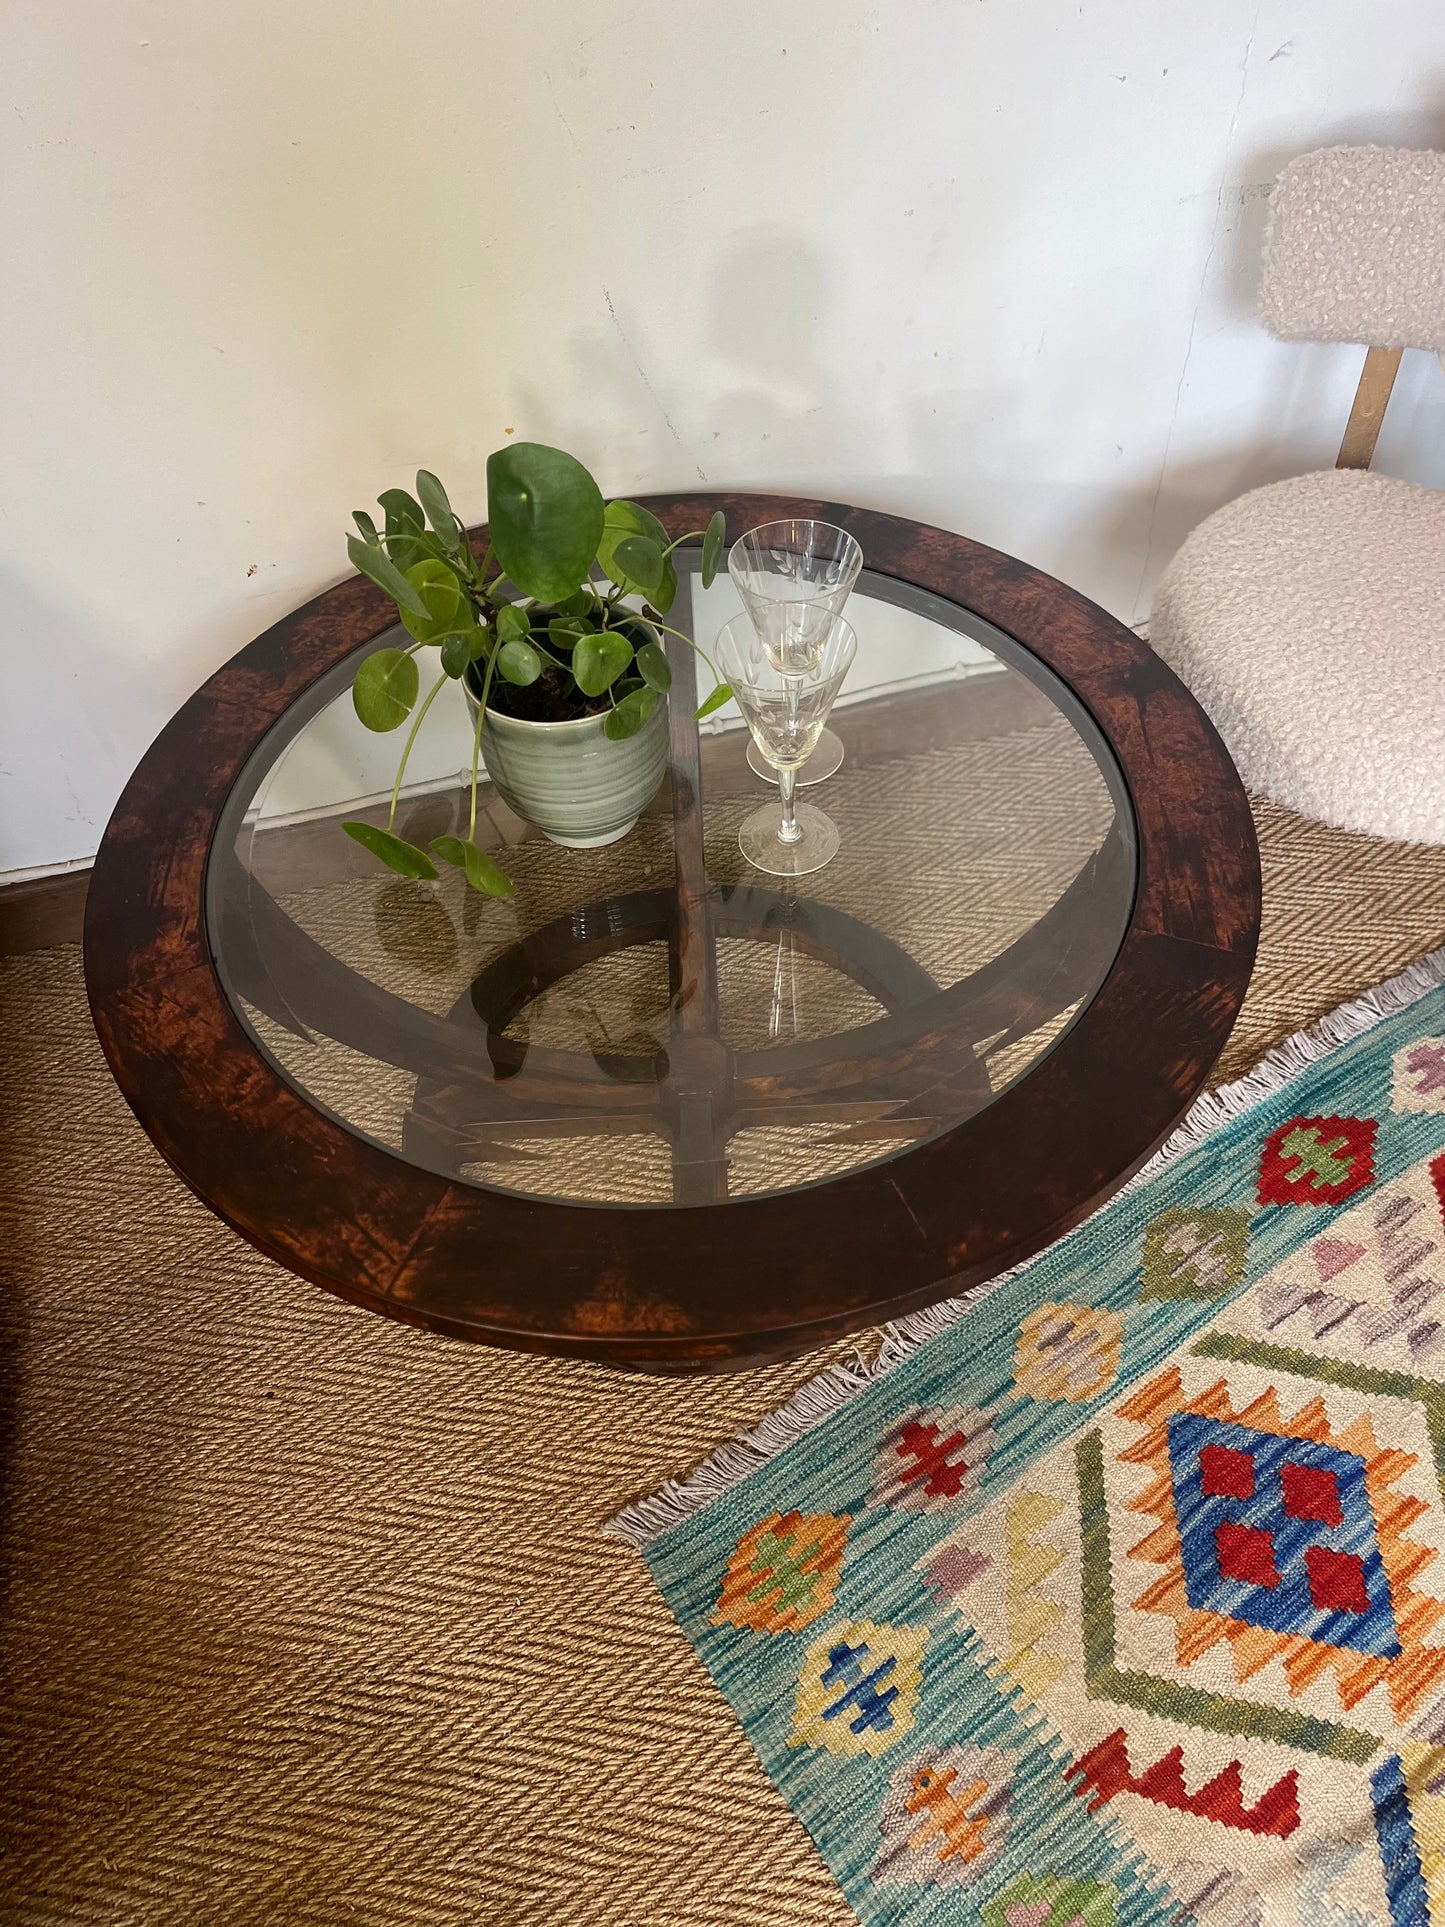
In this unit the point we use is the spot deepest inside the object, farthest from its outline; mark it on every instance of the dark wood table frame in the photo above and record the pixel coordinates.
(685, 1286)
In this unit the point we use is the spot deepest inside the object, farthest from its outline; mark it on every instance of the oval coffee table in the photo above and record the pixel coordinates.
(657, 1108)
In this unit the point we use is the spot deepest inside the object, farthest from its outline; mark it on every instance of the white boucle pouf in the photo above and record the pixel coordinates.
(1308, 618)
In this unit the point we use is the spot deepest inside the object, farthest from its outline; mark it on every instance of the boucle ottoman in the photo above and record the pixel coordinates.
(1308, 617)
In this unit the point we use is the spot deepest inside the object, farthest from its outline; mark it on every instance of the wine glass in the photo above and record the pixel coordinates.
(785, 714)
(793, 577)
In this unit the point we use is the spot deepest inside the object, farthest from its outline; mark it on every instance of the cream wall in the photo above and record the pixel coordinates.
(985, 262)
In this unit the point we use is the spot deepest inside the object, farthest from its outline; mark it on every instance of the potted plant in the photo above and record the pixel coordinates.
(566, 677)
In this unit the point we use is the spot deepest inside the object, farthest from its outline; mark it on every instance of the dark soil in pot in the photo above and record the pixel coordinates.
(553, 697)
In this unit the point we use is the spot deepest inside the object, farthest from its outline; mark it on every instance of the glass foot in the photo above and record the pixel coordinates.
(760, 843)
(823, 762)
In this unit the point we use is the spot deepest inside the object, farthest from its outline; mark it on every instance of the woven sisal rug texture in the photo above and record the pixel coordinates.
(306, 1617)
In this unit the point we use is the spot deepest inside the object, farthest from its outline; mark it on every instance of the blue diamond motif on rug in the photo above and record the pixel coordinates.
(1279, 1531)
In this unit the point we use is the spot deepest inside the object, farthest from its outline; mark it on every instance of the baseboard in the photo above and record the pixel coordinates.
(42, 912)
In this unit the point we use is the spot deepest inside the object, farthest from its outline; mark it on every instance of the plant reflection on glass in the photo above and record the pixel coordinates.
(527, 609)
(785, 713)
(794, 576)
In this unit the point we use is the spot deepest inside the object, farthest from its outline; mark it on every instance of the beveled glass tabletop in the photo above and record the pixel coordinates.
(654, 1022)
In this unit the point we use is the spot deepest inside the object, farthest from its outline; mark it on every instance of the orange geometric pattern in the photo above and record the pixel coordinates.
(946, 1817)
(783, 1574)
(1412, 1675)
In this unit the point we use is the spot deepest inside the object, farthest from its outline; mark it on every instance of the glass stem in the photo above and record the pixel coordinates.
(788, 831)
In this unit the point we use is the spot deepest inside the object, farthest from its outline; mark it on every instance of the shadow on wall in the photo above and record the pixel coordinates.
(783, 404)
(775, 322)
(767, 386)
(775, 393)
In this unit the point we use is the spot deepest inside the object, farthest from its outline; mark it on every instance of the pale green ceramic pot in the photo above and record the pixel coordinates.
(578, 788)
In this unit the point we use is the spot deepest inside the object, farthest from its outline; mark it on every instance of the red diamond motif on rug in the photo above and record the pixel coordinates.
(1317, 1160)
(1337, 1580)
(938, 1462)
(1311, 1493)
(1245, 1553)
(1225, 1473)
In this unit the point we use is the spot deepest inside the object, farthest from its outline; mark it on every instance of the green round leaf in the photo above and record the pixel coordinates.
(438, 510)
(437, 582)
(580, 603)
(631, 518)
(483, 872)
(460, 650)
(565, 632)
(444, 611)
(653, 666)
(395, 852)
(712, 548)
(513, 622)
(385, 574)
(641, 562)
(368, 528)
(630, 714)
(544, 516)
(624, 519)
(383, 692)
(598, 659)
(722, 694)
(519, 662)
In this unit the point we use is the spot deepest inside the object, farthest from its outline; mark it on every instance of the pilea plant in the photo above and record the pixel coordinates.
(525, 623)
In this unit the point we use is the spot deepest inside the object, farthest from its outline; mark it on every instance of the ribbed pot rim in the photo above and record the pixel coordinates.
(497, 716)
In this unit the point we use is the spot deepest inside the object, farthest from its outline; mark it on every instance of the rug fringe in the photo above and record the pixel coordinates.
(645, 1520)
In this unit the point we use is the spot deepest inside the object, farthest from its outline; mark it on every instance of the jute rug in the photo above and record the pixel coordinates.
(308, 1618)
(1126, 1589)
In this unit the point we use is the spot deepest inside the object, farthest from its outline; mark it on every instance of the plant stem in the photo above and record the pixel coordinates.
(410, 739)
(696, 647)
(477, 742)
(695, 535)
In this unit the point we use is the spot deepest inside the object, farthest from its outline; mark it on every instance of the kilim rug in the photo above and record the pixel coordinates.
(1121, 1599)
